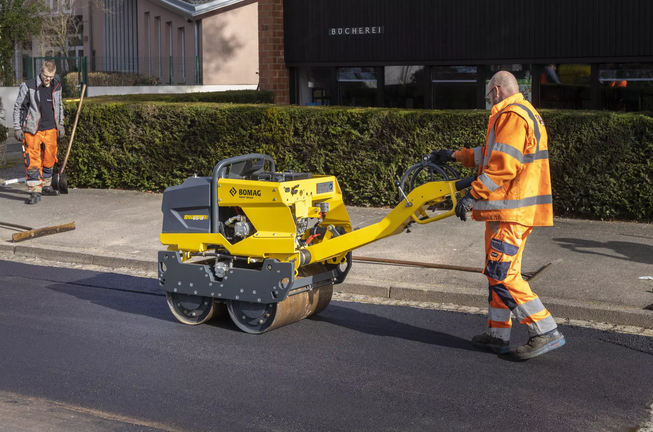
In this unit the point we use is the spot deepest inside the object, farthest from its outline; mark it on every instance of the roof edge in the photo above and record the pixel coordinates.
(189, 10)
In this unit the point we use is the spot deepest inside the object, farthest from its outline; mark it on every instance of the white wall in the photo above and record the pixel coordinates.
(126, 90)
(9, 96)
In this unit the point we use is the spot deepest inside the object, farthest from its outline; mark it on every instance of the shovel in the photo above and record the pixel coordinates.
(59, 180)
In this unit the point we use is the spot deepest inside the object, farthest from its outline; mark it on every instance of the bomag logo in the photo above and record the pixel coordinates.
(245, 193)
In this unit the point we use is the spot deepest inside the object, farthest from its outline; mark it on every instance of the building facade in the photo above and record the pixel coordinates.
(571, 54)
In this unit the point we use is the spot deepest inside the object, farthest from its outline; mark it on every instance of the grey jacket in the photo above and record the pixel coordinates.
(26, 110)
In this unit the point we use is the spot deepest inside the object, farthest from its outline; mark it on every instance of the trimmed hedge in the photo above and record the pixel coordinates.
(230, 96)
(601, 162)
(71, 81)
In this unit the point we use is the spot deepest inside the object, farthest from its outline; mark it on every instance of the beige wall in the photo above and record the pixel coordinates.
(230, 46)
(168, 20)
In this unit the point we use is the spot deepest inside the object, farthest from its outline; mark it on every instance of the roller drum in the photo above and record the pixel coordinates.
(259, 318)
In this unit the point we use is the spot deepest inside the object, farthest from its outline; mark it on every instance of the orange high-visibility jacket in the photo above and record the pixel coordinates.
(514, 181)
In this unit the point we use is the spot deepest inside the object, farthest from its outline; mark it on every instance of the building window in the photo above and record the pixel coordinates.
(627, 86)
(566, 86)
(358, 86)
(316, 86)
(148, 41)
(522, 73)
(404, 86)
(181, 40)
(454, 87)
(157, 20)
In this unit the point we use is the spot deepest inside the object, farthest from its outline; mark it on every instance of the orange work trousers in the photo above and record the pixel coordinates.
(40, 152)
(510, 294)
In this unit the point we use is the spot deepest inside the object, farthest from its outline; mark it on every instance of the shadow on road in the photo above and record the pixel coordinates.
(626, 251)
(21, 195)
(144, 304)
(379, 326)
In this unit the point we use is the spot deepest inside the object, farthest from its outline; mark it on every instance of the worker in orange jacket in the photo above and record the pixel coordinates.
(512, 194)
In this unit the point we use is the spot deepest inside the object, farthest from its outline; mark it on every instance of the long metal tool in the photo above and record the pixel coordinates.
(59, 180)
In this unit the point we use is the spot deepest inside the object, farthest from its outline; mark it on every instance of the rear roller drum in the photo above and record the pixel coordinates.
(193, 310)
(257, 318)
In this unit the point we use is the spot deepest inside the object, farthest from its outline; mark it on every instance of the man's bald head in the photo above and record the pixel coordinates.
(507, 84)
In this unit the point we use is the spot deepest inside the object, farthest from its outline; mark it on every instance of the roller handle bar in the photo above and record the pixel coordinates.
(219, 172)
(465, 183)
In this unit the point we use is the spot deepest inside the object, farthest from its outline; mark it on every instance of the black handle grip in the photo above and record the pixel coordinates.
(465, 183)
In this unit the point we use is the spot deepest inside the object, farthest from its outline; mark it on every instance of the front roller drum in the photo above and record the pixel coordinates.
(194, 310)
(257, 318)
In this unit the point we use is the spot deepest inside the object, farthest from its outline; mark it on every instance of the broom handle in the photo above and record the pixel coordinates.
(72, 135)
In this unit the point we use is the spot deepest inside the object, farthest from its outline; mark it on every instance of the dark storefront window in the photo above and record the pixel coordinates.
(358, 86)
(521, 71)
(626, 87)
(454, 87)
(316, 86)
(566, 86)
(404, 86)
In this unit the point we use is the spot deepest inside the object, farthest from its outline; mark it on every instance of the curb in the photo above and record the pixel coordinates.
(559, 308)
(73, 256)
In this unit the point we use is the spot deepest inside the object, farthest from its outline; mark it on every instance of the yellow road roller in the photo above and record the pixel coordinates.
(267, 246)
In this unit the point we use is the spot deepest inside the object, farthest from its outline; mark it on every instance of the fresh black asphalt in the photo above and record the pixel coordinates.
(108, 342)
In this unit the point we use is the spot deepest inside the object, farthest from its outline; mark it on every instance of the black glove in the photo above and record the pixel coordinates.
(442, 156)
(464, 205)
(62, 131)
(20, 136)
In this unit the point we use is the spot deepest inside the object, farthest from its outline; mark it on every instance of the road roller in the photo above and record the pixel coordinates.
(267, 247)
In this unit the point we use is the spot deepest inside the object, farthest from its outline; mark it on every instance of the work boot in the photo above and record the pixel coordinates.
(34, 197)
(488, 343)
(47, 190)
(540, 344)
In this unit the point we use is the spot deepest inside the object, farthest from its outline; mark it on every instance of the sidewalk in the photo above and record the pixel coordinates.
(593, 273)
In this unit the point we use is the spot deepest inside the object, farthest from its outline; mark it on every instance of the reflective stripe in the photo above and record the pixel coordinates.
(536, 124)
(542, 326)
(509, 150)
(494, 314)
(527, 309)
(524, 159)
(513, 204)
(501, 333)
(488, 182)
(478, 155)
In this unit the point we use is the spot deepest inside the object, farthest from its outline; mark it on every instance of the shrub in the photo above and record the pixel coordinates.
(231, 96)
(71, 81)
(600, 161)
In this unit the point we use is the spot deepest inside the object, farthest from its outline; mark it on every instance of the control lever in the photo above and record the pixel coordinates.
(401, 192)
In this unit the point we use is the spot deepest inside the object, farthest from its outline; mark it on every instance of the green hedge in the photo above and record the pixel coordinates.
(231, 96)
(601, 162)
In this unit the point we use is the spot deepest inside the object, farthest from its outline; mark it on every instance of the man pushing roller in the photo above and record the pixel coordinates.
(511, 195)
(38, 121)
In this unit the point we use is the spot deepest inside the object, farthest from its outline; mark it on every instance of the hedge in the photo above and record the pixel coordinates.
(71, 81)
(601, 162)
(231, 96)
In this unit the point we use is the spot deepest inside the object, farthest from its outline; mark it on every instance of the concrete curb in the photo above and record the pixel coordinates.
(102, 259)
(560, 308)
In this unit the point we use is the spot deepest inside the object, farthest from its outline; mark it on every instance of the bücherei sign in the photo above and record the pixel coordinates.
(356, 31)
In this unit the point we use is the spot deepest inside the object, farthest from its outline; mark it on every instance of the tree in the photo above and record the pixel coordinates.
(19, 20)
(59, 24)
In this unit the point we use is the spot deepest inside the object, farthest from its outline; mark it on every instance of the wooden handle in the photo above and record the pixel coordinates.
(72, 135)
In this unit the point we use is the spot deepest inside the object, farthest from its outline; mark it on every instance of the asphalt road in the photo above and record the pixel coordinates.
(106, 346)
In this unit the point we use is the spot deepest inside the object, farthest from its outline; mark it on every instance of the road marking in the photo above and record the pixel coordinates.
(22, 400)
(648, 425)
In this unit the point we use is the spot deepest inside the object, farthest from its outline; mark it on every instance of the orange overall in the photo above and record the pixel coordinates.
(514, 194)
(40, 156)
